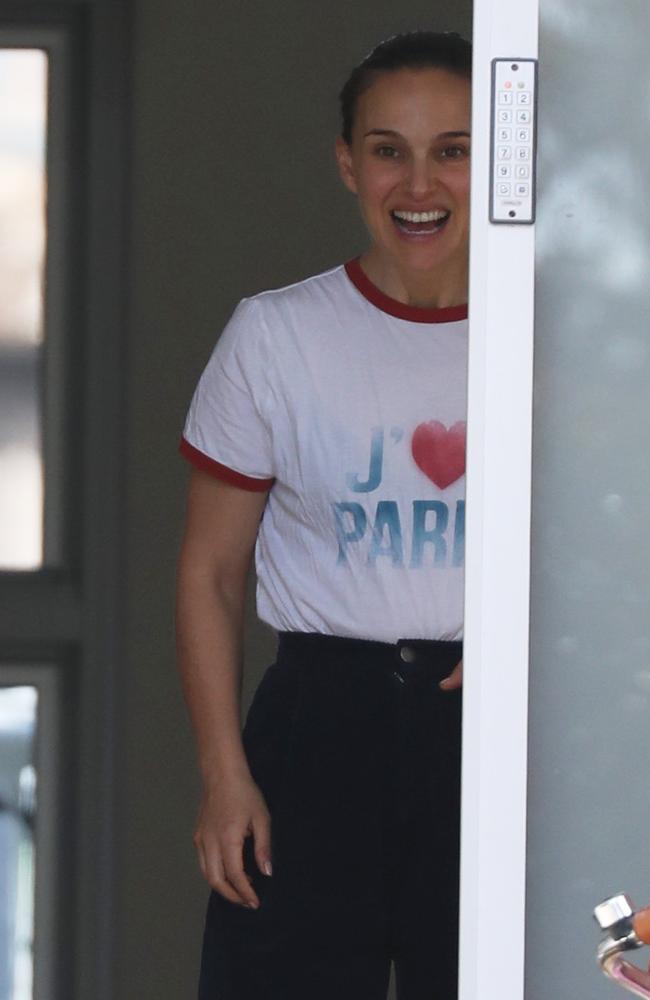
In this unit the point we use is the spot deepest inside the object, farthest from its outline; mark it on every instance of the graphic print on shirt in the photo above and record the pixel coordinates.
(433, 529)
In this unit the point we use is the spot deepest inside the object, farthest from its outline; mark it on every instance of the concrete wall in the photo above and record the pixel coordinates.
(234, 189)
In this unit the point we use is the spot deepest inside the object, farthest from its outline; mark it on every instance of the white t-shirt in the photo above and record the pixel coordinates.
(350, 407)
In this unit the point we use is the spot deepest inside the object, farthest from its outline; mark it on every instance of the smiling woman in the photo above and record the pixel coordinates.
(327, 434)
(408, 162)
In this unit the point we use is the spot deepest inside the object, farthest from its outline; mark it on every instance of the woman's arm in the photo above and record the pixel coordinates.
(220, 531)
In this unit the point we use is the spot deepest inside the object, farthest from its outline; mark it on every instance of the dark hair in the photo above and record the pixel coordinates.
(412, 50)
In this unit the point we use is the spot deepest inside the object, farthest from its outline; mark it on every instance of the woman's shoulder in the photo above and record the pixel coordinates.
(305, 310)
(313, 292)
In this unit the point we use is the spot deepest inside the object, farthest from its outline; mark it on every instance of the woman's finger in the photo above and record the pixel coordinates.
(232, 853)
(203, 865)
(213, 872)
(218, 881)
(262, 840)
(454, 680)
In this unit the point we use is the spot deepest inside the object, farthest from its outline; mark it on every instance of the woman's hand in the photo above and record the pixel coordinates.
(230, 811)
(454, 680)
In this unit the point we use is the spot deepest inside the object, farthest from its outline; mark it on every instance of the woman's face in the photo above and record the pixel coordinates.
(410, 154)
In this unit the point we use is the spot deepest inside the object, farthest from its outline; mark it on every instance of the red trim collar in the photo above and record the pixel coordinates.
(415, 314)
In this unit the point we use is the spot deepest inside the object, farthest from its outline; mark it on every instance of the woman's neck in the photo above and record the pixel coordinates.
(428, 290)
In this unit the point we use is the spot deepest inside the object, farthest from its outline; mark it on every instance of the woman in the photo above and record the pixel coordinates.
(327, 433)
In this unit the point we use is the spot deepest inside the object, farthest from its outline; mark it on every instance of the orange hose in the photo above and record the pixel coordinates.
(641, 924)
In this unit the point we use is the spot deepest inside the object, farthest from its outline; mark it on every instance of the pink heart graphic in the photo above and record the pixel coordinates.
(440, 452)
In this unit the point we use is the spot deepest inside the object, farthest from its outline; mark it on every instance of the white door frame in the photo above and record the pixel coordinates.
(495, 700)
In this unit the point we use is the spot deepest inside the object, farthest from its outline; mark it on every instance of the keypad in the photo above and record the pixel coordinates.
(513, 133)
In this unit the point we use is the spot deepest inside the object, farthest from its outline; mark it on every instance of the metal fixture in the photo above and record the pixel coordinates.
(625, 930)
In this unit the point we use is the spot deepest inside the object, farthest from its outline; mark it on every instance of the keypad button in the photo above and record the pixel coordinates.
(503, 189)
(523, 135)
(522, 190)
(523, 152)
(505, 134)
(503, 170)
(505, 116)
(523, 97)
(504, 152)
(522, 171)
(505, 97)
(523, 117)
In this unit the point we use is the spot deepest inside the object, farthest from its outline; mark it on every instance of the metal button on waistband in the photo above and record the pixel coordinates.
(407, 654)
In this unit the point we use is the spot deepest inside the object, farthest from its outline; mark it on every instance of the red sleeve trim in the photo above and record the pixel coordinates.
(228, 475)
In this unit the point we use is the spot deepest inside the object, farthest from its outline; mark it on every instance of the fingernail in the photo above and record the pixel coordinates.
(252, 906)
(267, 868)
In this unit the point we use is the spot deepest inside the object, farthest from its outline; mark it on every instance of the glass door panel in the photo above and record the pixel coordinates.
(23, 122)
(589, 710)
(18, 716)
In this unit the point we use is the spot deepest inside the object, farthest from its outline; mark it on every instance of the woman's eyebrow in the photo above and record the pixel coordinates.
(392, 132)
(382, 131)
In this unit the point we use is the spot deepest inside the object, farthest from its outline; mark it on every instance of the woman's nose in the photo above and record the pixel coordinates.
(422, 178)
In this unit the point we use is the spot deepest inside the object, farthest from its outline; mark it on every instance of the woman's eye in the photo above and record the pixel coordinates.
(454, 152)
(387, 152)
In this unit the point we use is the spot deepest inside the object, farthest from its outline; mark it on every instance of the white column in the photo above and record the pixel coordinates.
(493, 859)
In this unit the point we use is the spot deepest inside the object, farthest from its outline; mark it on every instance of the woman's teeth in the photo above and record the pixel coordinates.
(420, 223)
(421, 216)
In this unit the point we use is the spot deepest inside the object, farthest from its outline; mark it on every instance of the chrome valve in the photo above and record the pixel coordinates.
(614, 911)
(617, 917)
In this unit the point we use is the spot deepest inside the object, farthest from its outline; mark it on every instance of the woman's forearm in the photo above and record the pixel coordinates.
(214, 562)
(209, 629)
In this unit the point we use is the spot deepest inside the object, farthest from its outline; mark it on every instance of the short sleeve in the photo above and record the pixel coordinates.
(227, 430)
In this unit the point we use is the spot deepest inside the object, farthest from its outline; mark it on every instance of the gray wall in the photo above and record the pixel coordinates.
(233, 190)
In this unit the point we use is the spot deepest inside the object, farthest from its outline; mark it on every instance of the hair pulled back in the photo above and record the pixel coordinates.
(413, 50)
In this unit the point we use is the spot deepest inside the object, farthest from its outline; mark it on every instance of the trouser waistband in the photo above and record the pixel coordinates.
(408, 656)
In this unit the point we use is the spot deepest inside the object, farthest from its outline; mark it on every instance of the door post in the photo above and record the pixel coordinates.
(495, 701)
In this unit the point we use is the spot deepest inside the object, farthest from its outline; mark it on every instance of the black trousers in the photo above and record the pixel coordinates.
(357, 753)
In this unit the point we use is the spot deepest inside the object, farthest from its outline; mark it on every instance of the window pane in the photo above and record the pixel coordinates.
(23, 120)
(589, 701)
(18, 710)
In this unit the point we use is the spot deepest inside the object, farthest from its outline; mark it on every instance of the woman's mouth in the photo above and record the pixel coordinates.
(420, 223)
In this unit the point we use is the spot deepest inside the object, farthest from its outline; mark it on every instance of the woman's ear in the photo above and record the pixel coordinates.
(344, 161)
